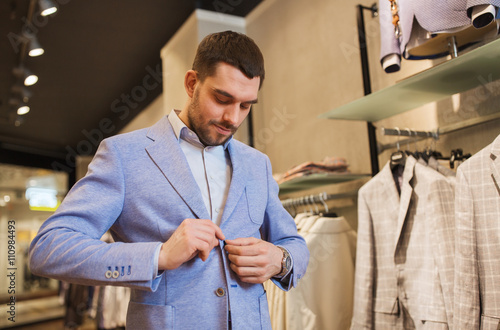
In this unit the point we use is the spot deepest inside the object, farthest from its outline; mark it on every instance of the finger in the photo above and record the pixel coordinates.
(246, 250)
(204, 249)
(241, 261)
(242, 241)
(248, 271)
(209, 226)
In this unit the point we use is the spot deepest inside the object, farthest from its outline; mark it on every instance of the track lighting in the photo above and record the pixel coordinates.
(47, 7)
(28, 77)
(34, 47)
(20, 106)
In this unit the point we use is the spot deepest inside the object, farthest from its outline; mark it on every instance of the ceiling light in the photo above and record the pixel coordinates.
(47, 7)
(21, 106)
(22, 110)
(28, 78)
(34, 47)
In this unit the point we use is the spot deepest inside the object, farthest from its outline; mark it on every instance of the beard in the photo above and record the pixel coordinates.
(206, 131)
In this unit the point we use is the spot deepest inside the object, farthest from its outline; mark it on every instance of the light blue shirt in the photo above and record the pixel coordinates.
(210, 166)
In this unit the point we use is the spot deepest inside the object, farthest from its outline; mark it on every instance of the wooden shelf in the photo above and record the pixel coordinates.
(467, 71)
(317, 180)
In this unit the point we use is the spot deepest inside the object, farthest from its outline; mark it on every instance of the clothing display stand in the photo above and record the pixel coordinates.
(367, 88)
(417, 90)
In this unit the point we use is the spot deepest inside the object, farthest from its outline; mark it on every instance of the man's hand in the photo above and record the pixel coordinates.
(193, 237)
(254, 260)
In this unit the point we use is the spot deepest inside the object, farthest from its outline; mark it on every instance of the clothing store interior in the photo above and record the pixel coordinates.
(376, 117)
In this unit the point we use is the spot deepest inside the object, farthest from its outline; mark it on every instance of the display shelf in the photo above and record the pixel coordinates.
(462, 73)
(317, 180)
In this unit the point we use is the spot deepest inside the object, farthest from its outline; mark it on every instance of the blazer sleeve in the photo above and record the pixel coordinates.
(365, 269)
(390, 52)
(68, 246)
(279, 228)
(467, 304)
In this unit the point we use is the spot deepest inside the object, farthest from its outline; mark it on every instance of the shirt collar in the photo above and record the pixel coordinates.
(183, 132)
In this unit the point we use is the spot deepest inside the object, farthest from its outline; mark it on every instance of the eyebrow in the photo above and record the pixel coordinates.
(226, 94)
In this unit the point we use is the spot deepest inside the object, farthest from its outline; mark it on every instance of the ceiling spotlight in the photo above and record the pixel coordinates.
(21, 106)
(22, 110)
(34, 47)
(47, 7)
(28, 78)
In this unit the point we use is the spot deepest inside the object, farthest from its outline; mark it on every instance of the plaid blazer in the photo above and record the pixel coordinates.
(477, 275)
(405, 249)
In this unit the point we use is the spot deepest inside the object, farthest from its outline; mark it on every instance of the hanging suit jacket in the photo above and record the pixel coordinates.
(140, 187)
(324, 297)
(477, 275)
(405, 249)
(433, 16)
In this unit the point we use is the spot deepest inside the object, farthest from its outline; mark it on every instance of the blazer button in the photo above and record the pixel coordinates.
(220, 292)
(108, 274)
(116, 274)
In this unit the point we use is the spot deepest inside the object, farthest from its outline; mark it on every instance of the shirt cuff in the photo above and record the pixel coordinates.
(156, 273)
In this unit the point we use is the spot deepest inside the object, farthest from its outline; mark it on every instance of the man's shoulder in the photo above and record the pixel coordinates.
(138, 136)
(245, 148)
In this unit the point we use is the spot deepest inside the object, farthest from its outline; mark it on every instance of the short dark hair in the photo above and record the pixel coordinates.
(233, 48)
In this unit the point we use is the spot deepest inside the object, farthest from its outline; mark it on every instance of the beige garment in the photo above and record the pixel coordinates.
(477, 272)
(405, 250)
(275, 296)
(324, 297)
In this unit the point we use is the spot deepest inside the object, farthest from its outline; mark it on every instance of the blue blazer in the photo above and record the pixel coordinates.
(139, 186)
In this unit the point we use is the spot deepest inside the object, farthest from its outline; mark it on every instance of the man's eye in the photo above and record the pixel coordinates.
(221, 101)
(245, 106)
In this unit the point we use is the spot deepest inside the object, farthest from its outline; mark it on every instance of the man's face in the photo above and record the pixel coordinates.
(220, 104)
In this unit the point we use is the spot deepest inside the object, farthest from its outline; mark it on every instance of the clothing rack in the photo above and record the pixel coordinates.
(314, 200)
(410, 133)
(415, 136)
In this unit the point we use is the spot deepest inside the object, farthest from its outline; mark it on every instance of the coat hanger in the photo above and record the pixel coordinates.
(323, 197)
(398, 158)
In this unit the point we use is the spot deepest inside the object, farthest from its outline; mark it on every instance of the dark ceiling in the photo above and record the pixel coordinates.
(100, 68)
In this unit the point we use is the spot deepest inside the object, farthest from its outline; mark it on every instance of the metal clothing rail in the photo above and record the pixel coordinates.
(415, 136)
(315, 199)
(410, 133)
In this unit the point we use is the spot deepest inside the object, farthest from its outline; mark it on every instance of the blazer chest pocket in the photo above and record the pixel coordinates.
(145, 316)
(256, 201)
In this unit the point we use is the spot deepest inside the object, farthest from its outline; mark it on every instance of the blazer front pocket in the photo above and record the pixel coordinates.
(490, 322)
(256, 203)
(386, 306)
(145, 316)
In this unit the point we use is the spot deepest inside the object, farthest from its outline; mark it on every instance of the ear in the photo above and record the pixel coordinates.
(190, 82)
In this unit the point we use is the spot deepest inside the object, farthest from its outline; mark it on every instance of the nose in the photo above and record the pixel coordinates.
(231, 115)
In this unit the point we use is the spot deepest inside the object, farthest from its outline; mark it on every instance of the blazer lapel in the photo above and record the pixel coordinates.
(406, 193)
(167, 154)
(495, 162)
(390, 192)
(238, 178)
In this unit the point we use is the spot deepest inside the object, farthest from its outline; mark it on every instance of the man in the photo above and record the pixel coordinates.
(195, 214)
